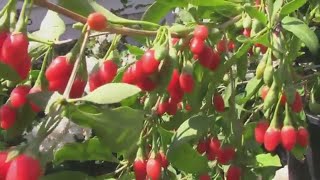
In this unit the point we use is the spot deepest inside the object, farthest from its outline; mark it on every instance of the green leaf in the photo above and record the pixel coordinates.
(63, 175)
(52, 27)
(191, 129)
(135, 50)
(290, 7)
(255, 13)
(91, 149)
(302, 31)
(36, 49)
(252, 88)
(118, 128)
(110, 93)
(186, 16)
(186, 159)
(6, 72)
(161, 9)
(298, 152)
(265, 160)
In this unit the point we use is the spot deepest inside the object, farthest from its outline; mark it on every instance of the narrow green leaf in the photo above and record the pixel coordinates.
(302, 31)
(135, 50)
(255, 13)
(265, 160)
(91, 149)
(292, 6)
(161, 9)
(110, 93)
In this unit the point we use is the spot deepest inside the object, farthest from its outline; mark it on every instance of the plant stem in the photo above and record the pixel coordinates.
(76, 65)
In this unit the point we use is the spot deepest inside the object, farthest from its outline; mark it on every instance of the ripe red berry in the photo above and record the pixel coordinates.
(225, 155)
(94, 81)
(59, 69)
(258, 2)
(218, 102)
(186, 82)
(4, 166)
(18, 96)
(297, 105)
(163, 160)
(149, 62)
(214, 61)
(205, 58)
(153, 169)
(146, 84)
(108, 71)
(233, 173)
(201, 32)
(174, 89)
(264, 92)
(34, 107)
(137, 70)
(272, 139)
(288, 137)
(246, 32)
(283, 99)
(97, 21)
(15, 48)
(303, 137)
(7, 116)
(128, 76)
(204, 177)
(197, 45)
(58, 85)
(23, 69)
(210, 155)
(188, 107)
(231, 45)
(139, 167)
(202, 146)
(260, 131)
(163, 108)
(213, 145)
(77, 88)
(221, 46)
(172, 108)
(24, 167)
(174, 41)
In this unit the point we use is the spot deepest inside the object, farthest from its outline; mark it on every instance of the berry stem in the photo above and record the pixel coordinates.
(36, 39)
(21, 24)
(40, 77)
(113, 45)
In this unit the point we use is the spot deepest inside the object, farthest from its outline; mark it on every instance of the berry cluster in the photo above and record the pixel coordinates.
(288, 136)
(103, 75)
(213, 149)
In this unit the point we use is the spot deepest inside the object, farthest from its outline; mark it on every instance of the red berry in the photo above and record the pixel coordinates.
(163, 159)
(283, 99)
(24, 167)
(211, 156)
(128, 76)
(146, 84)
(272, 138)
(23, 69)
(174, 41)
(97, 21)
(225, 155)
(202, 146)
(204, 177)
(233, 173)
(214, 61)
(3, 36)
(34, 107)
(154, 169)
(15, 48)
(264, 92)
(197, 45)
(258, 2)
(231, 45)
(137, 70)
(172, 108)
(221, 46)
(4, 166)
(186, 82)
(18, 96)
(139, 167)
(94, 81)
(201, 32)
(188, 107)
(213, 145)
(246, 32)
(263, 49)
(108, 71)
(7, 116)
(58, 85)
(59, 69)
(163, 108)
(218, 102)
(288, 137)
(77, 88)
(260, 131)
(205, 58)
(149, 62)
(174, 89)
(297, 105)
(303, 137)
